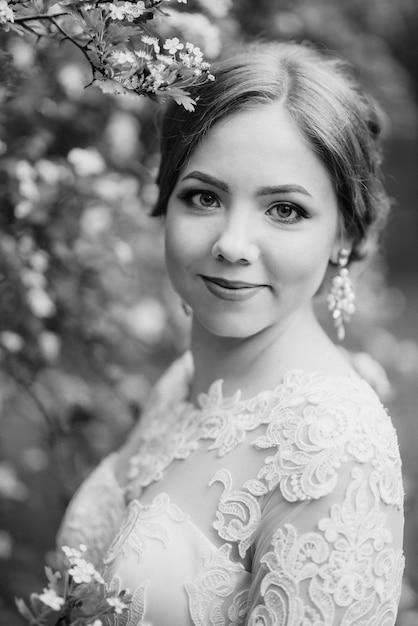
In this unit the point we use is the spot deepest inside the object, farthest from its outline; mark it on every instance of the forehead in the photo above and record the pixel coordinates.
(260, 146)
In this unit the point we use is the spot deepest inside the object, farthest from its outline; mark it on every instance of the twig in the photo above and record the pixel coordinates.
(39, 16)
(83, 49)
(25, 385)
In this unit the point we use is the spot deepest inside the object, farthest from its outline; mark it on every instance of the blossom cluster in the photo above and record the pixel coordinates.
(125, 53)
(132, 10)
(158, 68)
(6, 13)
(78, 596)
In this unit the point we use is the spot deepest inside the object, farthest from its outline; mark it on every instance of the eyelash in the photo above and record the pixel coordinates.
(300, 213)
(189, 195)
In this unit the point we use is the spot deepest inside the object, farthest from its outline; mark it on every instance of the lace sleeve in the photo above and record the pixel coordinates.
(332, 560)
(95, 513)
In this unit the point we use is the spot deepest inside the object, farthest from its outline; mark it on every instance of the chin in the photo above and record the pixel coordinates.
(232, 328)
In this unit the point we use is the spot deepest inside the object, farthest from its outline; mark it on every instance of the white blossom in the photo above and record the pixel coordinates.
(127, 10)
(197, 27)
(82, 572)
(117, 604)
(52, 599)
(123, 56)
(172, 45)
(141, 54)
(6, 13)
(157, 76)
(74, 553)
(151, 41)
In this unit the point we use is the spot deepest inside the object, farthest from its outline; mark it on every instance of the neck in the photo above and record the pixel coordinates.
(254, 363)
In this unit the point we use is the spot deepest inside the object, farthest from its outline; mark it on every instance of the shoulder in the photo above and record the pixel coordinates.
(172, 386)
(318, 423)
(159, 415)
(94, 513)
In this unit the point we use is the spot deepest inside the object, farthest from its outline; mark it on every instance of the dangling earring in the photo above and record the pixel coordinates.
(341, 299)
(186, 308)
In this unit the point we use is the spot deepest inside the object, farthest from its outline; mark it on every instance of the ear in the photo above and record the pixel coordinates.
(342, 242)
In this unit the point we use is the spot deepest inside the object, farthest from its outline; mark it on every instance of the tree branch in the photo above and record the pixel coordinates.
(39, 16)
(83, 49)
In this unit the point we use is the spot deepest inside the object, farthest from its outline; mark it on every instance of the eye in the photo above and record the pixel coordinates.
(286, 212)
(200, 199)
(205, 199)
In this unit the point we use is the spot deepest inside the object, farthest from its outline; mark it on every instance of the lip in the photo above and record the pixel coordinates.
(235, 290)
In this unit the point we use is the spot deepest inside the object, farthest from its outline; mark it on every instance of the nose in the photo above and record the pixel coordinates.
(235, 242)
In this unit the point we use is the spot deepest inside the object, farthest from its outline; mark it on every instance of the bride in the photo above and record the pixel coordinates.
(263, 483)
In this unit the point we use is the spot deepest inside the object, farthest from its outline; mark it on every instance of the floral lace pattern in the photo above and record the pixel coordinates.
(350, 566)
(309, 433)
(215, 581)
(227, 420)
(140, 525)
(316, 429)
(242, 507)
(136, 611)
(164, 442)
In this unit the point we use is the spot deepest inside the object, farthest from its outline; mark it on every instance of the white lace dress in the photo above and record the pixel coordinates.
(283, 509)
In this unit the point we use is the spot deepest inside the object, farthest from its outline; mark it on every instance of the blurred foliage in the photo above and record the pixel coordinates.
(88, 318)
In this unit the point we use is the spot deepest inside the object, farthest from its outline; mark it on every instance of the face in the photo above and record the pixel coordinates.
(251, 225)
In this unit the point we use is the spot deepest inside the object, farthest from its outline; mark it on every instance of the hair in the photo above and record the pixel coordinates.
(341, 123)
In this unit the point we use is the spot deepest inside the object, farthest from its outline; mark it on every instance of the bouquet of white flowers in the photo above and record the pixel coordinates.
(76, 596)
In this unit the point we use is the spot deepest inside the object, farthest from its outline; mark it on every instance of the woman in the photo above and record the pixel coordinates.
(263, 484)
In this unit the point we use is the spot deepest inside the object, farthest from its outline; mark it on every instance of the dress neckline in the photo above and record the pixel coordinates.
(174, 426)
(214, 396)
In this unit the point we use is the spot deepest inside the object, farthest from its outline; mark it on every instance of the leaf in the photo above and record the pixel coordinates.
(66, 3)
(116, 35)
(54, 579)
(185, 101)
(108, 85)
(47, 4)
(24, 610)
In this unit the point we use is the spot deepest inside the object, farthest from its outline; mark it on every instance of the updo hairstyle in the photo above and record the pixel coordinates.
(340, 122)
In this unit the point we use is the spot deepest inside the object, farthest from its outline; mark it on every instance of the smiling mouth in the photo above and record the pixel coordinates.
(231, 289)
(231, 284)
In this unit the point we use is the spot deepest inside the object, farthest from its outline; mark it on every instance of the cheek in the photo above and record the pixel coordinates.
(303, 262)
(187, 239)
(173, 249)
(181, 250)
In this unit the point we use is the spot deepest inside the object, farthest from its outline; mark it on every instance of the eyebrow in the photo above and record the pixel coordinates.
(260, 191)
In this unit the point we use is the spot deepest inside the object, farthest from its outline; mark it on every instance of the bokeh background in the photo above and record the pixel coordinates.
(88, 319)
